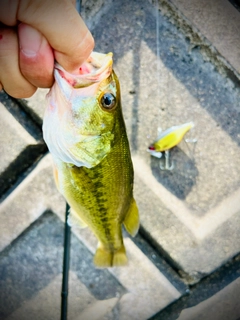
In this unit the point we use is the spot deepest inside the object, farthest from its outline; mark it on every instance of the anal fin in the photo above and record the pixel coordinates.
(131, 221)
(75, 220)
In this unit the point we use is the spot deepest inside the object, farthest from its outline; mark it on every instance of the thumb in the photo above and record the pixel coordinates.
(59, 22)
(36, 58)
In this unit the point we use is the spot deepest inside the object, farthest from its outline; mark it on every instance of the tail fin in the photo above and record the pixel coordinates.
(104, 258)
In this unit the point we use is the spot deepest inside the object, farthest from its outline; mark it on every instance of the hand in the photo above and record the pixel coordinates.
(32, 34)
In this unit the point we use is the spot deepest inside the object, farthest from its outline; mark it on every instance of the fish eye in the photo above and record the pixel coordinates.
(108, 101)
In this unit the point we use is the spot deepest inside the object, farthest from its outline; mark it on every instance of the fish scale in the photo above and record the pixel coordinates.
(98, 181)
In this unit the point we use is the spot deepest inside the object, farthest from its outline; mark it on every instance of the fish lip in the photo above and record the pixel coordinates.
(98, 72)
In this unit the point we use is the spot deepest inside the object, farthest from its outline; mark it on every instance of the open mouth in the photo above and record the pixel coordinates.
(96, 68)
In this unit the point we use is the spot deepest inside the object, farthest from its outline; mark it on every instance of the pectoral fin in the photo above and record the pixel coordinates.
(131, 221)
(75, 220)
(55, 174)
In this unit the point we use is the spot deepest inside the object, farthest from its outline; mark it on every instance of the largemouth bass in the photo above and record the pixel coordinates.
(85, 133)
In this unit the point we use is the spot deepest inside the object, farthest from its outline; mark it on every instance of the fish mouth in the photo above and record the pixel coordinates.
(95, 69)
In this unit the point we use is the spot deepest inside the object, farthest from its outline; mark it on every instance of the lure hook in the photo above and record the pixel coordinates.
(167, 165)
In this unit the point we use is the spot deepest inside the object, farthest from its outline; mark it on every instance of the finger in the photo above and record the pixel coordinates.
(62, 26)
(9, 9)
(11, 78)
(36, 57)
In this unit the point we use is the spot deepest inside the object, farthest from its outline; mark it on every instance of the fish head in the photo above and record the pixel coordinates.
(79, 120)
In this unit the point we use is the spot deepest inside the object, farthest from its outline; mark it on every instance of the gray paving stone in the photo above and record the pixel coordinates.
(19, 149)
(13, 138)
(201, 194)
(26, 203)
(140, 280)
(91, 10)
(190, 241)
(31, 272)
(218, 22)
(36, 104)
(205, 296)
(17, 111)
(224, 305)
(28, 265)
(47, 304)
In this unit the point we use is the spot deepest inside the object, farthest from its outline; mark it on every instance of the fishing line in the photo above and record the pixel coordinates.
(162, 78)
(158, 62)
(163, 115)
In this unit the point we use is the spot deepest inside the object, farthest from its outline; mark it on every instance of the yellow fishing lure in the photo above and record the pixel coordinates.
(169, 138)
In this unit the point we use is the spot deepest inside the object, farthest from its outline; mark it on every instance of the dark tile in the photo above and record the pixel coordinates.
(202, 291)
(32, 261)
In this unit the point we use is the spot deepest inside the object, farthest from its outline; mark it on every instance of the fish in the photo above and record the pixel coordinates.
(85, 132)
(169, 139)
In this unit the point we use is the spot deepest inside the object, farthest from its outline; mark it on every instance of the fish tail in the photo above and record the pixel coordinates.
(120, 258)
(104, 258)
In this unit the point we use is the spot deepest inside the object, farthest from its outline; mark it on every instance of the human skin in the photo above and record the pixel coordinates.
(34, 33)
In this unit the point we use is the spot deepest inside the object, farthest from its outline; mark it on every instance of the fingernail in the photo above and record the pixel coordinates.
(29, 39)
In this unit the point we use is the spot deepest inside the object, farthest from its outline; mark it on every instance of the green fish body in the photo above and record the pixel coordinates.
(85, 132)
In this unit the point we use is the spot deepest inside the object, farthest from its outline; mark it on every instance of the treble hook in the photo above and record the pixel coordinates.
(167, 165)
